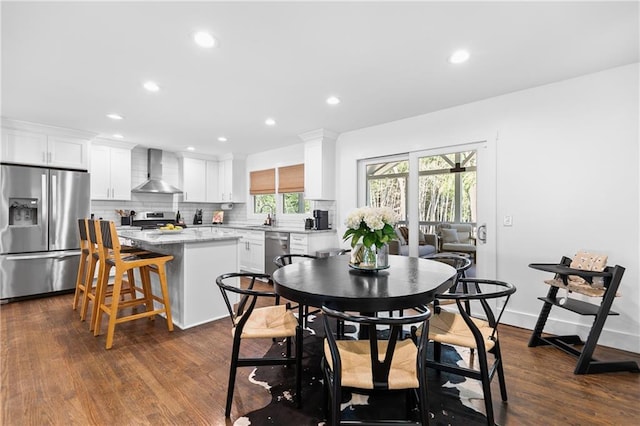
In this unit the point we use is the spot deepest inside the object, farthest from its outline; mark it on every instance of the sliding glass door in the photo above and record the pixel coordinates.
(454, 184)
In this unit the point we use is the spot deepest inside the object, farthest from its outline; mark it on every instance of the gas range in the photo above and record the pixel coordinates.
(154, 220)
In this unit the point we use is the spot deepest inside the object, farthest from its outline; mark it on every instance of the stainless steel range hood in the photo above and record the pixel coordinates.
(154, 184)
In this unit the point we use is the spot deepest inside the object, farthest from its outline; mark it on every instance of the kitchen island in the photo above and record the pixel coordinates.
(199, 256)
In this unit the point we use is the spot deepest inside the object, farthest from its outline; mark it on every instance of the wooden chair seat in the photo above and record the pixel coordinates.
(355, 356)
(269, 322)
(448, 327)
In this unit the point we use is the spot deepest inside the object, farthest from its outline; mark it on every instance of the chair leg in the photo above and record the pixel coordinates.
(99, 298)
(81, 284)
(299, 366)
(146, 289)
(90, 274)
(437, 351)
(424, 398)
(113, 314)
(162, 274)
(486, 385)
(503, 385)
(233, 368)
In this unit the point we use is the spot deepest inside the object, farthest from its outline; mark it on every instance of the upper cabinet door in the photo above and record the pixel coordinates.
(70, 153)
(110, 172)
(38, 149)
(194, 179)
(22, 147)
(121, 173)
(212, 181)
(100, 172)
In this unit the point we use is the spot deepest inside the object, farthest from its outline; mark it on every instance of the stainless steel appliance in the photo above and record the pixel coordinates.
(39, 212)
(153, 220)
(275, 244)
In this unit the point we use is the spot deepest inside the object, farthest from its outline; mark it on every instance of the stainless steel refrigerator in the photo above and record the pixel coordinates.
(39, 244)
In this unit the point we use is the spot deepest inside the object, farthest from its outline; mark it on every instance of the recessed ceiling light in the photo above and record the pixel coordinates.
(332, 100)
(114, 116)
(204, 39)
(222, 139)
(270, 122)
(190, 148)
(459, 56)
(118, 136)
(151, 86)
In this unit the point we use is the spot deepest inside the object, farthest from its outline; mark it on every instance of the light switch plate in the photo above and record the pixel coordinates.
(508, 220)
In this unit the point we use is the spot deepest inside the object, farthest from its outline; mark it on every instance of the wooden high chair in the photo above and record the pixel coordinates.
(146, 262)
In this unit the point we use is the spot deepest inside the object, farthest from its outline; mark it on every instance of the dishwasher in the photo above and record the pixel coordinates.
(275, 244)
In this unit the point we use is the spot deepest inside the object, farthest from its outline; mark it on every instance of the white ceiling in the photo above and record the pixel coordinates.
(68, 64)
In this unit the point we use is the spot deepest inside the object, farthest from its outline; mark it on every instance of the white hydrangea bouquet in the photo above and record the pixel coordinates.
(372, 228)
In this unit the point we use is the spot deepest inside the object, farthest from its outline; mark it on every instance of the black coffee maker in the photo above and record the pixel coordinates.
(197, 218)
(321, 218)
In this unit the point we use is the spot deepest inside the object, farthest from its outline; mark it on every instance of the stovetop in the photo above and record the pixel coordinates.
(153, 220)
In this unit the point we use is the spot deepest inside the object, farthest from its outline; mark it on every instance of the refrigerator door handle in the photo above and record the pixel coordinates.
(54, 205)
(51, 255)
(44, 207)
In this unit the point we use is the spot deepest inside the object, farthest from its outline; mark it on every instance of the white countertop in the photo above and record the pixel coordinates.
(188, 235)
(263, 228)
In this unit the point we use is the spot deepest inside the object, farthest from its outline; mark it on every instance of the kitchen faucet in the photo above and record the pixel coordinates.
(271, 216)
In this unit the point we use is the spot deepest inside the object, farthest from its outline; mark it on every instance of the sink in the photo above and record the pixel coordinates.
(260, 227)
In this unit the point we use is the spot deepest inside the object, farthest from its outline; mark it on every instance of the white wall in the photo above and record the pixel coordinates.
(567, 171)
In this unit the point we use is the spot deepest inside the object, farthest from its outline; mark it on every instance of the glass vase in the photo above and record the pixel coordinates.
(369, 257)
(375, 257)
(382, 256)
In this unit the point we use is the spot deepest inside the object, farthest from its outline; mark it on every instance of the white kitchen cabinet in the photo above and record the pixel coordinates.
(251, 251)
(194, 179)
(319, 165)
(211, 185)
(312, 242)
(231, 180)
(110, 170)
(200, 180)
(40, 149)
(299, 244)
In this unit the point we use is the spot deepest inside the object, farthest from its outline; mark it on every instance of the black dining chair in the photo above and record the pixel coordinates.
(288, 259)
(377, 364)
(473, 323)
(252, 322)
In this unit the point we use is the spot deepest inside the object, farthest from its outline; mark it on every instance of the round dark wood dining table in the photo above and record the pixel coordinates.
(408, 282)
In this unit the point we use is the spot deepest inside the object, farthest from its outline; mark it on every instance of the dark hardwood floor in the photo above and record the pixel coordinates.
(54, 372)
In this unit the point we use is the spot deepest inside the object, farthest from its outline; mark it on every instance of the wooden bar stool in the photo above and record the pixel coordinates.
(146, 262)
(88, 287)
(81, 279)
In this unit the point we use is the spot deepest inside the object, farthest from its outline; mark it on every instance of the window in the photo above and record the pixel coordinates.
(294, 202)
(263, 187)
(264, 203)
(446, 187)
(291, 186)
(387, 186)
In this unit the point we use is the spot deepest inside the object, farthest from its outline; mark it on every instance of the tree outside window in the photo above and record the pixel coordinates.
(264, 203)
(446, 188)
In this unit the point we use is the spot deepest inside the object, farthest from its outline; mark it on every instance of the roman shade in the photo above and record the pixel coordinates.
(291, 178)
(262, 182)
